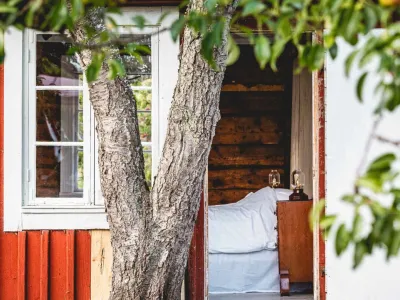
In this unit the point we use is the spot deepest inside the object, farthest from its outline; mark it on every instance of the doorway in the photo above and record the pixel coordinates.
(263, 127)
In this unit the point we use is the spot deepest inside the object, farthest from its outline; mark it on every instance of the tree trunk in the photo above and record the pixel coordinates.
(151, 231)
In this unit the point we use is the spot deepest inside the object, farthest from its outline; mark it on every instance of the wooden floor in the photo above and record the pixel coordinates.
(257, 296)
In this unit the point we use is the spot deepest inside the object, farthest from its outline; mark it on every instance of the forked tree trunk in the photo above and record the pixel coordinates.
(151, 231)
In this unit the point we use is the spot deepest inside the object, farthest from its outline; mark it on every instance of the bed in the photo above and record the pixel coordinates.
(242, 244)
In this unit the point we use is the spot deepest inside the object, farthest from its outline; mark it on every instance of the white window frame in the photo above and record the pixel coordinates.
(90, 213)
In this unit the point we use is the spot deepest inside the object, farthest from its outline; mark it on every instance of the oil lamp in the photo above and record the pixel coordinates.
(274, 178)
(298, 179)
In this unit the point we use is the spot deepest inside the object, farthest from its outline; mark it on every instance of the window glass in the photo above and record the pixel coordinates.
(147, 163)
(59, 119)
(59, 116)
(59, 171)
(54, 67)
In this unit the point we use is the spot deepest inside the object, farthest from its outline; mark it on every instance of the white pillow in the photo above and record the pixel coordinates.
(243, 227)
(283, 194)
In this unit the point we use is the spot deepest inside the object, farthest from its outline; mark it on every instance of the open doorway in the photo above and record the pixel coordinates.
(259, 243)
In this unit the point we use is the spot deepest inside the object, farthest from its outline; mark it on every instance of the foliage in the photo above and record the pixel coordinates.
(270, 26)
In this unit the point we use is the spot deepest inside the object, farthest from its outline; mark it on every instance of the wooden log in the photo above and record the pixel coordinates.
(249, 130)
(246, 155)
(239, 178)
(263, 124)
(253, 88)
(251, 103)
(217, 197)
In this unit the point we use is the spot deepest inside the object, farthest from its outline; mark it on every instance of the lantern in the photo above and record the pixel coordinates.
(274, 178)
(298, 180)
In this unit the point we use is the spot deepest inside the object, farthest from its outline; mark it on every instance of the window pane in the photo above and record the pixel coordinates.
(140, 80)
(59, 171)
(59, 116)
(147, 163)
(145, 126)
(53, 64)
(138, 72)
(143, 100)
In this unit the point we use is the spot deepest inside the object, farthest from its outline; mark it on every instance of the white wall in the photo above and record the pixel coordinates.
(348, 125)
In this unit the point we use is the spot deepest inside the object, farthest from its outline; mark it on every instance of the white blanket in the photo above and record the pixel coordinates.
(245, 226)
(244, 273)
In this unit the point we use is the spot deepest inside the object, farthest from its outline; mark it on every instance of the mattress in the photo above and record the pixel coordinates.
(244, 272)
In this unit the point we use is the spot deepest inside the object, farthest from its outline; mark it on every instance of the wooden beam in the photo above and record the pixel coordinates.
(44, 265)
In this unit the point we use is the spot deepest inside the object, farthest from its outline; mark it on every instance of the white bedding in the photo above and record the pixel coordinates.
(246, 272)
(245, 226)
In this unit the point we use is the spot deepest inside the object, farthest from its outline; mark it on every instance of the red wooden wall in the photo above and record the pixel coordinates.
(41, 264)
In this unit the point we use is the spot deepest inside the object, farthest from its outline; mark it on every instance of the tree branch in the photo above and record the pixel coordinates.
(116, 41)
(387, 141)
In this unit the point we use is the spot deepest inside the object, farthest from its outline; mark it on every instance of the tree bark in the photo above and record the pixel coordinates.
(151, 231)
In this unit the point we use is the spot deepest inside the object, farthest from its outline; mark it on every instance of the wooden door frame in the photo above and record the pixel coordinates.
(197, 287)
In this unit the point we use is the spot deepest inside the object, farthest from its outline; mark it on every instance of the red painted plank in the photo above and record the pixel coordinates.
(57, 265)
(32, 265)
(70, 262)
(44, 265)
(21, 265)
(82, 265)
(196, 258)
(8, 265)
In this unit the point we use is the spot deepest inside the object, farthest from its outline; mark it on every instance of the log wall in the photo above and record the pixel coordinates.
(253, 136)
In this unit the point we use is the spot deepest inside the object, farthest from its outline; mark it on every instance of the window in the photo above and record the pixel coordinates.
(60, 124)
(51, 172)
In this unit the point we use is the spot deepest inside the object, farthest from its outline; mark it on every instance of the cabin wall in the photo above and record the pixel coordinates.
(253, 135)
(41, 264)
(348, 125)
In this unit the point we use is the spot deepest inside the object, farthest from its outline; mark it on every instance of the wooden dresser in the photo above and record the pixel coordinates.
(295, 245)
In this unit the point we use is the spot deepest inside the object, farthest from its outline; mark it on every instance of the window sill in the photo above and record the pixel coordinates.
(61, 218)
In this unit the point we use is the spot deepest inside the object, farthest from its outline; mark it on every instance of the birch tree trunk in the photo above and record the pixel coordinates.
(151, 231)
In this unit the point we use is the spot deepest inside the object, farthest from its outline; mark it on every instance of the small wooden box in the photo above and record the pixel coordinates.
(295, 243)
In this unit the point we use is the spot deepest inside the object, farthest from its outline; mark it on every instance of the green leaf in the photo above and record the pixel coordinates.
(233, 51)
(253, 8)
(327, 221)
(395, 244)
(33, 7)
(77, 9)
(2, 53)
(177, 27)
(372, 182)
(277, 49)
(357, 226)
(370, 18)
(116, 68)
(163, 16)
(333, 50)
(5, 8)
(217, 32)
(360, 250)
(349, 62)
(139, 21)
(262, 50)
(342, 239)
(382, 163)
(360, 86)
(284, 28)
(92, 72)
(211, 5)
(207, 49)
